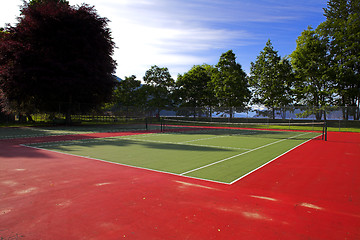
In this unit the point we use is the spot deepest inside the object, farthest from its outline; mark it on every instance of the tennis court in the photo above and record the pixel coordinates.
(219, 154)
(179, 181)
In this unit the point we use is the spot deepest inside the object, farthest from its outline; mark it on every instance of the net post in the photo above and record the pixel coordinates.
(146, 123)
(325, 131)
(161, 125)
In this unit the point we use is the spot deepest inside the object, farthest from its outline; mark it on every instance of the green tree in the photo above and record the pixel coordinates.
(314, 81)
(271, 78)
(125, 92)
(56, 58)
(192, 88)
(210, 99)
(230, 83)
(128, 94)
(342, 27)
(160, 84)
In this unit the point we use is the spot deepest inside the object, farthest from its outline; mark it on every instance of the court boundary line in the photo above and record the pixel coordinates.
(61, 134)
(243, 176)
(186, 144)
(177, 174)
(80, 141)
(123, 164)
(240, 154)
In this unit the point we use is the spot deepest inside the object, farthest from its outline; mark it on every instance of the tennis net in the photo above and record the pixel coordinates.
(260, 129)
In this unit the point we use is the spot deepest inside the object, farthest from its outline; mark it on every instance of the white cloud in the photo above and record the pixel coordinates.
(166, 33)
(142, 46)
(181, 33)
(9, 11)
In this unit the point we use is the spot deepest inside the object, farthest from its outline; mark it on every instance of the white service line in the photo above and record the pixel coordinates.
(123, 164)
(170, 173)
(223, 160)
(228, 135)
(200, 139)
(271, 160)
(185, 143)
(85, 141)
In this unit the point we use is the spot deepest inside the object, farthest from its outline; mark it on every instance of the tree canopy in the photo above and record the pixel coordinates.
(230, 83)
(342, 27)
(127, 92)
(271, 79)
(159, 86)
(192, 88)
(57, 57)
(314, 81)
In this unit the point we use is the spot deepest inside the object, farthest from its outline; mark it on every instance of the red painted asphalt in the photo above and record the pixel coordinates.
(312, 192)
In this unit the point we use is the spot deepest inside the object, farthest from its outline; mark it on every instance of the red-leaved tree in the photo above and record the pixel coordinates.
(57, 58)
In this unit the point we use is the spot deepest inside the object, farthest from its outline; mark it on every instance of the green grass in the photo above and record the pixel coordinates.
(344, 129)
(214, 155)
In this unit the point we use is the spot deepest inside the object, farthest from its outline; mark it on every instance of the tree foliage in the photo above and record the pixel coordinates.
(314, 81)
(230, 83)
(127, 92)
(160, 84)
(58, 56)
(342, 27)
(192, 88)
(271, 79)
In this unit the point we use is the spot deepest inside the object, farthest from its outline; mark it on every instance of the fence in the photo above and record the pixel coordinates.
(261, 112)
(337, 117)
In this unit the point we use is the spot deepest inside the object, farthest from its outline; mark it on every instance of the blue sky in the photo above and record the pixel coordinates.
(178, 34)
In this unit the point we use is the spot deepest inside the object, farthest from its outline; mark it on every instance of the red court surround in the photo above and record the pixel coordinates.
(312, 192)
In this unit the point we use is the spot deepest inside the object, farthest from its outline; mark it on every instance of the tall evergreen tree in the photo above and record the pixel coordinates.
(314, 81)
(271, 79)
(230, 83)
(342, 27)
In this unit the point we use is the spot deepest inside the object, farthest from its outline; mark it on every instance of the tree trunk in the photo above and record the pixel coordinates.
(68, 118)
(29, 117)
(22, 118)
(68, 112)
(344, 110)
(318, 114)
(158, 114)
(231, 114)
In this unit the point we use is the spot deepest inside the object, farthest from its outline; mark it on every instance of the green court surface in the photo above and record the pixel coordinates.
(221, 156)
(25, 132)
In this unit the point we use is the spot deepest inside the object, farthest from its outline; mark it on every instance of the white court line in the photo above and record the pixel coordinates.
(200, 139)
(186, 144)
(85, 141)
(271, 160)
(123, 164)
(226, 159)
(176, 174)
(229, 135)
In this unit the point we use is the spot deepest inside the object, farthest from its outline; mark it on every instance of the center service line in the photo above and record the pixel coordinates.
(223, 160)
